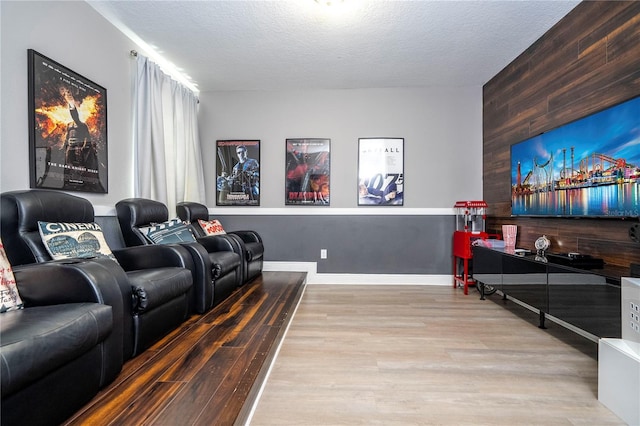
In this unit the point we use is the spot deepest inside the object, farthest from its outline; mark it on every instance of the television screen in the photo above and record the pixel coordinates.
(586, 168)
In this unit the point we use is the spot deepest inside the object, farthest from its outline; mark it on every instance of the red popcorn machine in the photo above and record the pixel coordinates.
(470, 226)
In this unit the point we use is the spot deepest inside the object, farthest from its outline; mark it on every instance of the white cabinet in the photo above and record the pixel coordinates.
(619, 360)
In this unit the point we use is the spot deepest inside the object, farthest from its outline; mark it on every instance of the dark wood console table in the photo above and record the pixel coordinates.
(586, 299)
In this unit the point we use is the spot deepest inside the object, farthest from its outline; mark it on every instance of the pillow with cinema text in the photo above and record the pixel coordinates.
(65, 240)
(9, 297)
(169, 232)
(211, 227)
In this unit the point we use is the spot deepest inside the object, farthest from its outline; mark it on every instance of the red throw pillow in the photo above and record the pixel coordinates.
(211, 227)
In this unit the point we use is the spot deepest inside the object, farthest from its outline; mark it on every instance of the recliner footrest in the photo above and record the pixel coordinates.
(38, 340)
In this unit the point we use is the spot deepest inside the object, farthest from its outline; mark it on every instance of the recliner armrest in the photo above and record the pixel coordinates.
(73, 281)
(202, 271)
(153, 256)
(248, 236)
(213, 243)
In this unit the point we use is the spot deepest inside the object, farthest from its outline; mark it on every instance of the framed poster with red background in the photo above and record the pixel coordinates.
(308, 172)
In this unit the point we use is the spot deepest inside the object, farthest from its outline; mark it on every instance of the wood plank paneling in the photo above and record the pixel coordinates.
(588, 61)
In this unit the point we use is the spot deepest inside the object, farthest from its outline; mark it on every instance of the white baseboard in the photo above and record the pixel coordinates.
(313, 277)
(308, 267)
(382, 279)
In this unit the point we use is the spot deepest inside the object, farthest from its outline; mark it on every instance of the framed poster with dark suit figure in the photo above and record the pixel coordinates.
(67, 128)
(238, 173)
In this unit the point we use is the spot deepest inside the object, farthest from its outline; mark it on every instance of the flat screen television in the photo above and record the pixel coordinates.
(587, 168)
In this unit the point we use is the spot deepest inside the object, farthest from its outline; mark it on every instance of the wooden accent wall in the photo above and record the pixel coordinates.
(588, 61)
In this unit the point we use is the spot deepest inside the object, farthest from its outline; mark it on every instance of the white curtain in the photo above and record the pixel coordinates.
(167, 160)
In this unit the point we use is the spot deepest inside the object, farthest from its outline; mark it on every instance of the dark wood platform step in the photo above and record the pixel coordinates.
(204, 371)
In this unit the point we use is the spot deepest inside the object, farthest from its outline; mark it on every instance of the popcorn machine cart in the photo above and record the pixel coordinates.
(470, 226)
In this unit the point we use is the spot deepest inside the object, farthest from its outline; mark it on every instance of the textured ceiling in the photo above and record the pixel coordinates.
(301, 44)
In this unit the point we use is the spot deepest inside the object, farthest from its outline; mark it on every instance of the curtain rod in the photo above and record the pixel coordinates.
(134, 54)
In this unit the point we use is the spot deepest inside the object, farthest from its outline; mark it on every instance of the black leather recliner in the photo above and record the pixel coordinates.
(66, 344)
(250, 242)
(218, 267)
(154, 281)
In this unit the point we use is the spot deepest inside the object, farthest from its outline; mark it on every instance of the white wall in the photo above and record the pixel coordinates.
(75, 35)
(442, 128)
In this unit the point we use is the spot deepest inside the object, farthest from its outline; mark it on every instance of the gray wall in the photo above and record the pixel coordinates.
(372, 244)
(442, 131)
(441, 126)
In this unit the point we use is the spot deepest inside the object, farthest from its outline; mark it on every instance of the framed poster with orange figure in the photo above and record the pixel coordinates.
(67, 128)
(307, 172)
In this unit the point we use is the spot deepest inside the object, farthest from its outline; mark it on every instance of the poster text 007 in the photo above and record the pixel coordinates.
(381, 172)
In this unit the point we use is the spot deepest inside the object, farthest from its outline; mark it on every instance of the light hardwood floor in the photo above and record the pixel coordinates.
(426, 355)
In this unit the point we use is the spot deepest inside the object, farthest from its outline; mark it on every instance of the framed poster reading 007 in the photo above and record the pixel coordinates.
(238, 173)
(307, 174)
(67, 128)
(381, 172)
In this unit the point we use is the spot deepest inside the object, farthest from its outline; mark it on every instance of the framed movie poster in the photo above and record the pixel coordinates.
(307, 174)
(67, 128)
(381, 172)
(238, 173)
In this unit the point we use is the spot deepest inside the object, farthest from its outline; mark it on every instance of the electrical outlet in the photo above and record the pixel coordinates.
(323, 253)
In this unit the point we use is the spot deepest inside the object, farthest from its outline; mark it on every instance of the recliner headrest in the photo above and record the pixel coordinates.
(191, 212)
(21, 211)
(137, 212)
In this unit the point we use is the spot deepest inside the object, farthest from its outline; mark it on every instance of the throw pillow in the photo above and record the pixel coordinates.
(9, 297)
(172, 231)
(74, 240)
(211, 227)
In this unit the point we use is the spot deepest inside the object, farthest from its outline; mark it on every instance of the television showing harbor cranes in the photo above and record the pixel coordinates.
(587, 168)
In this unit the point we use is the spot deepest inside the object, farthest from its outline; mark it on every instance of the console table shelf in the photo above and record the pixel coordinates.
(586, 299)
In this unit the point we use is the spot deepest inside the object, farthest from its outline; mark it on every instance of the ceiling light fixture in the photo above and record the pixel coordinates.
(328, 2)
